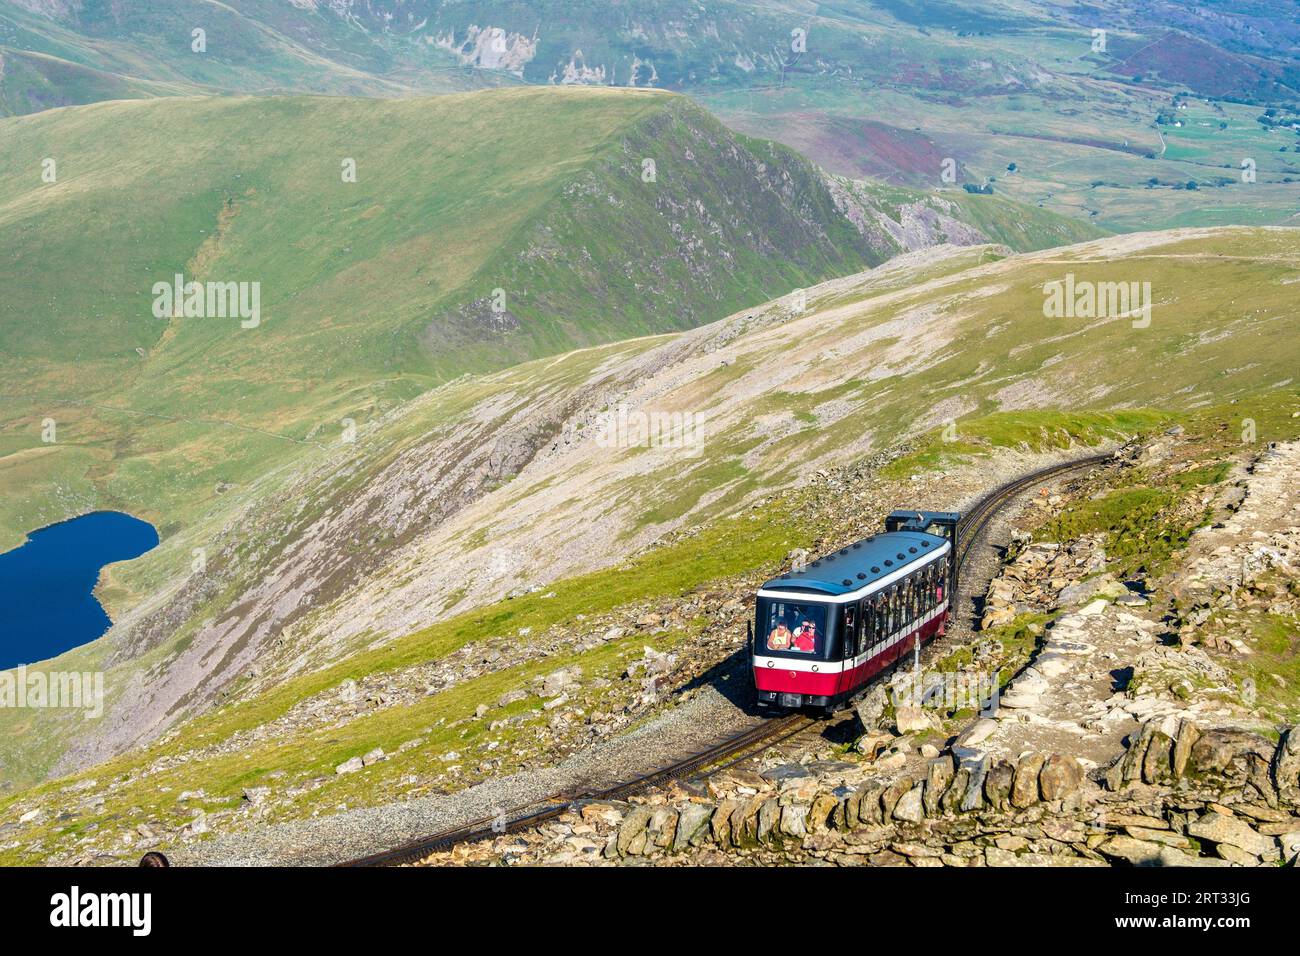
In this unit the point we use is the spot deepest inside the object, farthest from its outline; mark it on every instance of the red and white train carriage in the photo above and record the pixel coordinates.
(821, 632)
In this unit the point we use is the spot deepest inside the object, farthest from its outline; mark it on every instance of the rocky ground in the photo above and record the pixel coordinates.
(1131, 731)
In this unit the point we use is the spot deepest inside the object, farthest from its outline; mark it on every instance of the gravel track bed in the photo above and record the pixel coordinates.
(689, 728)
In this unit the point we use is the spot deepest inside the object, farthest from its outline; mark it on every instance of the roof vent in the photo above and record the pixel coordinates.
(844, 550)
(902, 556)
(925, 544)
(856, 545)
(911, 550)
(875, 569)
(862, 575)
(888, 563)
(847, 582)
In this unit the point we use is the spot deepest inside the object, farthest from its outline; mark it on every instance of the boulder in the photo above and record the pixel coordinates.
(853, 807)
(974, 798)
(1024, 783)
(769, 815)
(351, 765)
(720, 822)
(1239, 757)
(1130, 850)
(1219, 828)
(1285, 766)
(1061, 776)
(1158, 759)
(938, 776)
(606, 814)
(819, 812)
(956, 792)
(1188, 734)
(996, 616)
(893, 793)
(871, 707)
(793, 820)
(1130, 766)
(692, 826)
(909, 808)
(997, 784)
(745, 821)
(631, 835)
(557, 682)
(869, 811)
(1103, 585)
(977, 732)
(873, 742)
(662, 827)
(511, 697)
(912, 720)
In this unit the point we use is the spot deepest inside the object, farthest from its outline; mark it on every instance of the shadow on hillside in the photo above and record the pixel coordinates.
(731, 678)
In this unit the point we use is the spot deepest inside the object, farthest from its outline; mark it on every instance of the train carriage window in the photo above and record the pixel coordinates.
(879, 615)
(791, 628)
(849, 629)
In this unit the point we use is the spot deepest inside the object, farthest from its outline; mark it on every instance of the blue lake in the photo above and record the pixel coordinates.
(47, 604)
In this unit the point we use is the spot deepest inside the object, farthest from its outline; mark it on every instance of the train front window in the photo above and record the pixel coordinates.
(795, 628)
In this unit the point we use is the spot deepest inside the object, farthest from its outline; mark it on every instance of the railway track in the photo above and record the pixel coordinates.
(761, 736)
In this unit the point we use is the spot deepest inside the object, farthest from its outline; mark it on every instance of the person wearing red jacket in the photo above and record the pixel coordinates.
(805, 637)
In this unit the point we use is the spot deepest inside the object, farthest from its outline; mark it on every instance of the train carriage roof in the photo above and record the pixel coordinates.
(860, 564)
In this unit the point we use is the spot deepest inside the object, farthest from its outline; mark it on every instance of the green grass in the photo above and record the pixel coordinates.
(1273, 668)
(371, 292)
(1142, 533)
(1037, 431)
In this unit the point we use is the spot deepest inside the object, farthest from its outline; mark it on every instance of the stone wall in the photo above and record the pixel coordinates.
(1179, 795)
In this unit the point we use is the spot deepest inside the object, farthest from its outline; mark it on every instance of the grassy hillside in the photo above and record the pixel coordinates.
(481, 230)
(497, 482)
(370, 290)
(258, 48)
(965, 342)
(31, 82)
